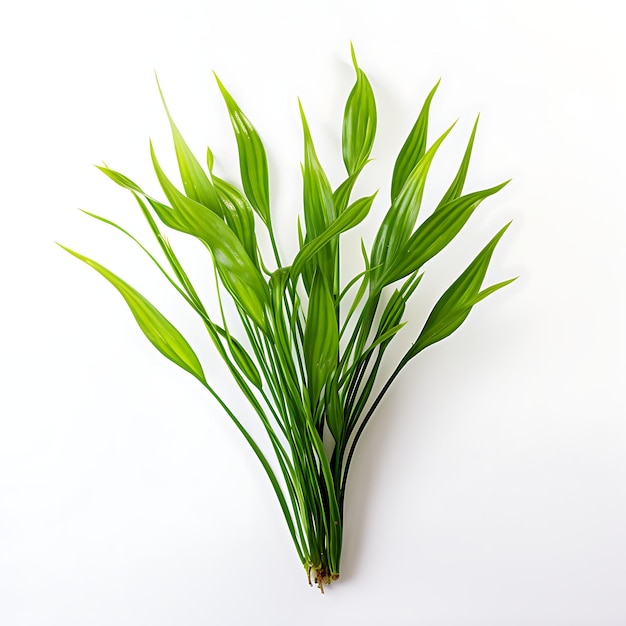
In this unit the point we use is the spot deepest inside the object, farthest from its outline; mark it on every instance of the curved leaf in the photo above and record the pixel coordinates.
(159, 331)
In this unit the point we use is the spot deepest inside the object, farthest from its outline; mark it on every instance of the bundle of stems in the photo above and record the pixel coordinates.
(314, 344)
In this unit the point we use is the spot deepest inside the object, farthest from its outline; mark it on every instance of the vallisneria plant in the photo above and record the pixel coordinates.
(310, 344)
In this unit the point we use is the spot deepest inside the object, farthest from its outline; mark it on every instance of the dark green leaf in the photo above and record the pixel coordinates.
(321, 337)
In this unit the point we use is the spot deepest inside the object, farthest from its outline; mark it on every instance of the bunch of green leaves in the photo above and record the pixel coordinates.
(309, 347)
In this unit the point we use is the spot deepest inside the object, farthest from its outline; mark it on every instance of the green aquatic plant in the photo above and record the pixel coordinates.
(310, 344)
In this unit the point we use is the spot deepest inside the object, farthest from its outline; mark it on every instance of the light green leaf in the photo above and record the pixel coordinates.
(414, 147)
(196, 183)
(456, 303)
(240, 276)
(456, 188)
(350, 218)
(359, 122)
(159, 331)
(398, 223)
(252, 158)
(435, 234)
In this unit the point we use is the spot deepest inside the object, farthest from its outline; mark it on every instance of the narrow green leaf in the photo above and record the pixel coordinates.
(252, 158)
(352, 216)
(159, 331)
(414, 147)
(435, 234)
(319, 208)
(341, 195)
(456, 303)
(398, 223)
(456, 188)
(196, 183)
(359, 122)
(321, 337)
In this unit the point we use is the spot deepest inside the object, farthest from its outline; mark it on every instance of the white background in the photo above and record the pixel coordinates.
(490, 488)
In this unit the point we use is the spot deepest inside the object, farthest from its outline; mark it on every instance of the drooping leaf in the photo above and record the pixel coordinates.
(160, 332)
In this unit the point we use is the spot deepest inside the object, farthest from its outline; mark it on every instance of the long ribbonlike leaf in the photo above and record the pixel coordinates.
(359, 122)
(161, 333)
(252, 157)
(321, 339)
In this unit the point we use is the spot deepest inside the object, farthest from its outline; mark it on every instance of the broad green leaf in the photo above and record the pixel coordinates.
(196, 183)
(240, 276)
(352, 216)
(159, 331)
(398, 223)
(252, 158)
(359, 122)
(435, 234)
(414, 147)
(456, 303)
(321, 337)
